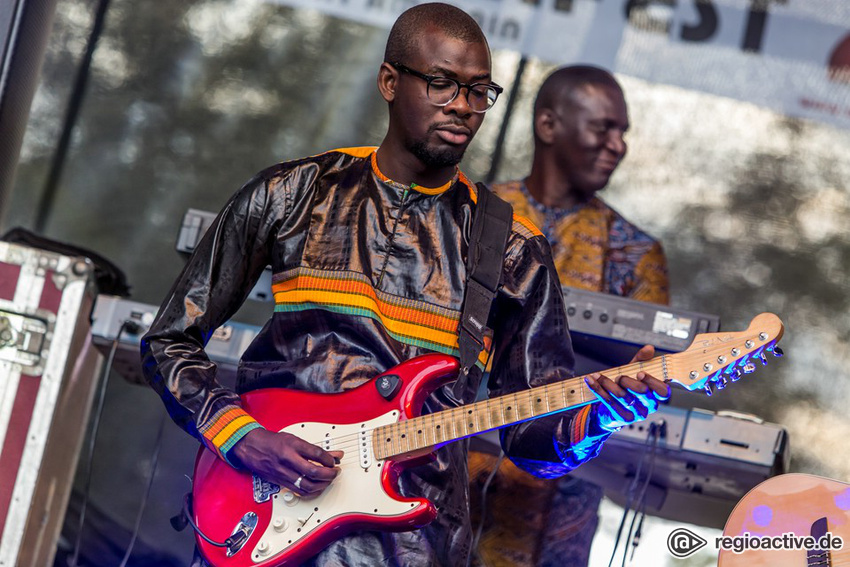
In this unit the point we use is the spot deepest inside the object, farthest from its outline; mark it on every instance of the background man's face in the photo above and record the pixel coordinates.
(589, 140)
(438, 136)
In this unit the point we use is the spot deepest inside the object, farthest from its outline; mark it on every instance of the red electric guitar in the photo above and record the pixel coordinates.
(243, 521)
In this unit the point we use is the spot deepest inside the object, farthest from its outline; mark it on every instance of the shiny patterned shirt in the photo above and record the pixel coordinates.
(595, 248)
(366, 274)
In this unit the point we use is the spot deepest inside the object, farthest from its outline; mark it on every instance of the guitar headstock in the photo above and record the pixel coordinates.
(715, 359)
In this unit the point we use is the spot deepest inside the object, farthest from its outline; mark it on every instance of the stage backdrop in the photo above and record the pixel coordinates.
(790, 55)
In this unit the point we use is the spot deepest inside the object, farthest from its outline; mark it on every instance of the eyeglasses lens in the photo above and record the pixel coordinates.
(442, 91)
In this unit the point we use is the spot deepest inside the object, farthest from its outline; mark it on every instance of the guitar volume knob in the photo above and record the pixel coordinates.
(280, 524)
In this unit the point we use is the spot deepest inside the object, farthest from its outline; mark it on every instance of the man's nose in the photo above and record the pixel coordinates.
(616, 142)
(460, 104)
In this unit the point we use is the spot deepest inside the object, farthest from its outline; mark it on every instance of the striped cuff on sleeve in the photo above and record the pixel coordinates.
(584, 445)
(225, 428)
(578, 426)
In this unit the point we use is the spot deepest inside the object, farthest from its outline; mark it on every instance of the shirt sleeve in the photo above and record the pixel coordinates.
(215, 282)
(532, 349)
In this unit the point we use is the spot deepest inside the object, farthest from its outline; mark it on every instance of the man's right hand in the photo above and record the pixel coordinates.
(283, 458)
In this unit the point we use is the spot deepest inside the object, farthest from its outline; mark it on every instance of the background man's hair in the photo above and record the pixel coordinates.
(453, 21)
(561, 83)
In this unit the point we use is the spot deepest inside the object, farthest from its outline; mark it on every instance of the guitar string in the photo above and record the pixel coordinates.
(352, 442)
(654, 366)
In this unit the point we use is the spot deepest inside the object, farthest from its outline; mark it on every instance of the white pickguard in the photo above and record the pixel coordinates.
(356, 489)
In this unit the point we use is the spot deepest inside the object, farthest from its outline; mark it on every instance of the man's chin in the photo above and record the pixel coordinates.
(437, 157)
(596, 183)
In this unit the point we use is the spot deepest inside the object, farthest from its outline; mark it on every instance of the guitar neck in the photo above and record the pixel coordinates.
(427, 431)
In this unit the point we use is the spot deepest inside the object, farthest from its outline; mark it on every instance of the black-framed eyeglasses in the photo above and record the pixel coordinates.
(442, 91)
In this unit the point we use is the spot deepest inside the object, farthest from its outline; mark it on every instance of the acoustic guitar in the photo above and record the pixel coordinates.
(790, 520)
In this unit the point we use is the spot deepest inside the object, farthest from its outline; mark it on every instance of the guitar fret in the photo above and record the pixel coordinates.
(526, 410)
(552, 397)
(510, 410)
(402, 432)
(453, 421)
(418, 435)
(495, 412)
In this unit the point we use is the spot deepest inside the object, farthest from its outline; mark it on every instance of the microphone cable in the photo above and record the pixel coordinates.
(132, 327)
(152, 474)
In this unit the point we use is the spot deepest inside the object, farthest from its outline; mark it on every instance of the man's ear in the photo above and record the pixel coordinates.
(545, 124)
(387, 81)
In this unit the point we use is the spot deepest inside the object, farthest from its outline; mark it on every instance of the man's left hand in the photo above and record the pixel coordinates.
(627, 399)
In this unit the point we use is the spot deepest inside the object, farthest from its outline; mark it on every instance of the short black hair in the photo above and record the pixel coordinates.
(560, 85)
(452, 21)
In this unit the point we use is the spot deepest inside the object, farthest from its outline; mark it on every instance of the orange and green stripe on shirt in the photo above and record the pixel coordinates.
(408, 321)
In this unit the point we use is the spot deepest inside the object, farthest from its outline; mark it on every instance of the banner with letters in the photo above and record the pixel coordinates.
(789, 55)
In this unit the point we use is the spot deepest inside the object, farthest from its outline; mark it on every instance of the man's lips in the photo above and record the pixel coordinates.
(455, 135)
(607, 166)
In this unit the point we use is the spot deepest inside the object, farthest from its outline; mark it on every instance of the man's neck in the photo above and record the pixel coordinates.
(548, 187)
(403, 167)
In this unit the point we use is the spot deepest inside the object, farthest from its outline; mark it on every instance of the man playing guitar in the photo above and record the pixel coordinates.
(368, 249)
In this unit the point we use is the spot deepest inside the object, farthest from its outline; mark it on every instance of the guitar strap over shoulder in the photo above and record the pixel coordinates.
(491, 226)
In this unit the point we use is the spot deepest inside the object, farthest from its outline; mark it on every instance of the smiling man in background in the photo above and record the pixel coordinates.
(580, 122)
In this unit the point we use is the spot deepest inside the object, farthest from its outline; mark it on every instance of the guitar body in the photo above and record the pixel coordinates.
(790, 503)
(290, 529)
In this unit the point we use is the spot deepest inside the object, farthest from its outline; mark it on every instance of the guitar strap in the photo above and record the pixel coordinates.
(491, 226)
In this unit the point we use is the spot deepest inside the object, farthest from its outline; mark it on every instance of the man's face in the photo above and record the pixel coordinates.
(589, 137)
(438, 136)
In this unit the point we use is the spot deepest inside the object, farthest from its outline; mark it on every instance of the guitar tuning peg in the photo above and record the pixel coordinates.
(763, 358)
(721, 382)
(708, 390)
(777, 352)
(749, 368)
(735, 375)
